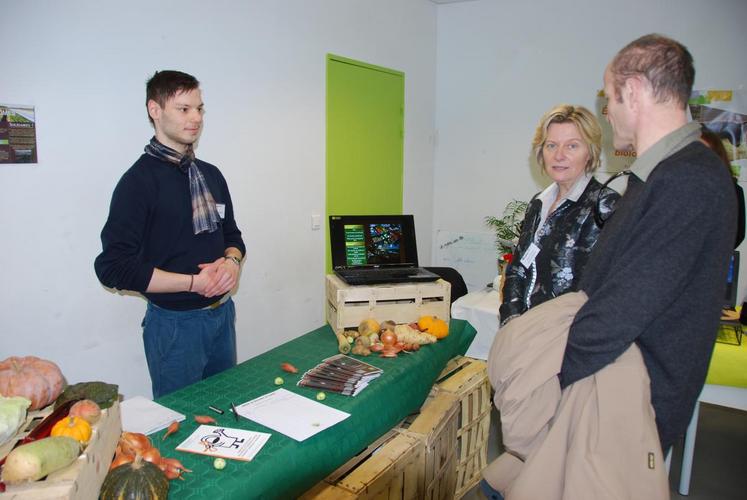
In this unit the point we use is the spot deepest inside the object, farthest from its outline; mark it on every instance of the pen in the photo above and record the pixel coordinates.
(216, 409)
(235, 413)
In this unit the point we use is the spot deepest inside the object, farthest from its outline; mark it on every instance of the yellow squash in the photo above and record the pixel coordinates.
(74, 427)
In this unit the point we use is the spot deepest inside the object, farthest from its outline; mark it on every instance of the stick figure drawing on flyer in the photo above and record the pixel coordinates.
(219, 439)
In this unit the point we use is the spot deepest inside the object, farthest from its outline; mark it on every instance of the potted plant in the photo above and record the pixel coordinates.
(507, 229)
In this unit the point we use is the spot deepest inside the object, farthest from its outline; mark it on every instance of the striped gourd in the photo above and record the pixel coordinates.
(138, 480)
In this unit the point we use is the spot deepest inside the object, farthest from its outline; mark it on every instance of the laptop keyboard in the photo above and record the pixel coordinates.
(382, 273)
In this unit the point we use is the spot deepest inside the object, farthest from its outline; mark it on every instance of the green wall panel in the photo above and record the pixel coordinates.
(365, 136)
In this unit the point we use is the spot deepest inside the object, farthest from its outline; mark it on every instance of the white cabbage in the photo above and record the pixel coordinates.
(12, 415)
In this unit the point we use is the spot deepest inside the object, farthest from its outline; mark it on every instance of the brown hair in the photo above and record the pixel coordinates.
(586, 123)
(164, 85)
(665, 63)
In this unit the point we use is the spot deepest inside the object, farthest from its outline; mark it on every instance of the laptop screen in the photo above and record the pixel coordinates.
(361, 241)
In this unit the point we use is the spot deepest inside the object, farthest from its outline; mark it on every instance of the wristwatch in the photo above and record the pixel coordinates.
(234, 258)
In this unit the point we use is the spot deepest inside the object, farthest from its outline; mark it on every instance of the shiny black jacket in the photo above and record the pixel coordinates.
(565, 241)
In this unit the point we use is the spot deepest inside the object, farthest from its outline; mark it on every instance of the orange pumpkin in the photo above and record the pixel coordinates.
(73, 427)
(433, 325)
(424, 322)
(36, 379)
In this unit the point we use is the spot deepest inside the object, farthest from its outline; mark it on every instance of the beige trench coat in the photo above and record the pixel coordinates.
(595, 440)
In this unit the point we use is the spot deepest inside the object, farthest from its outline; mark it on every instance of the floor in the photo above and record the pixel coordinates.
(719, 463)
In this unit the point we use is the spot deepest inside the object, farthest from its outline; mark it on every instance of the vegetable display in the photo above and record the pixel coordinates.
(134, 445)
(135, 480)
(38, 380)
(33, 461)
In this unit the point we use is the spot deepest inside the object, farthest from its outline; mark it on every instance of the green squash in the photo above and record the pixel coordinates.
(102, 393)
(139, 480)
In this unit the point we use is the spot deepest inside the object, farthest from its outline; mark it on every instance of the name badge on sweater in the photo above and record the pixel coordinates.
(530, 255)
(221, 207)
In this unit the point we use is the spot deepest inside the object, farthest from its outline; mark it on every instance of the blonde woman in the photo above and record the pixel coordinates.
(559, 228)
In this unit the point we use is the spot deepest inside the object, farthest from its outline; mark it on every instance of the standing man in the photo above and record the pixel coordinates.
(658, 272)
(171, 235)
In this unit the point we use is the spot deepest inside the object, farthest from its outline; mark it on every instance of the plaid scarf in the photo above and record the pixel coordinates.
(204, 213)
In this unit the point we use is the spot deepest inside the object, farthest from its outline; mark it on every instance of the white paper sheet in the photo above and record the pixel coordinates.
(140, 414)
(224, 442)
(288, 413)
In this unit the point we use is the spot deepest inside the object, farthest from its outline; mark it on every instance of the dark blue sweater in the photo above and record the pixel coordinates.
(657, 277)
(150, 226)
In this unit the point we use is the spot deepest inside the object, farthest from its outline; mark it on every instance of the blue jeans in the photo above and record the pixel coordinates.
(184, 347)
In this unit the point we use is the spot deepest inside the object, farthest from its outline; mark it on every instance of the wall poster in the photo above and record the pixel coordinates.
(17, 134)
(724, 112)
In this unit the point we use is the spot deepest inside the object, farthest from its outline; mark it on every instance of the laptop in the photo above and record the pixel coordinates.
(374, 249)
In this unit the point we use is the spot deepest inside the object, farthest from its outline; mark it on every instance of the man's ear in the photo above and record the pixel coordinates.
(638, 90)
(154, 110)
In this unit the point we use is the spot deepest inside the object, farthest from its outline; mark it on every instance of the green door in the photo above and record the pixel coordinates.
(365, 134)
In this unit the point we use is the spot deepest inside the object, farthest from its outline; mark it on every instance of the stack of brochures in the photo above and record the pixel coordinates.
(342, 374)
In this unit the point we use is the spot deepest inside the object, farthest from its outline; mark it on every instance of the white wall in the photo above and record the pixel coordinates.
(501, 65)
(84, 64)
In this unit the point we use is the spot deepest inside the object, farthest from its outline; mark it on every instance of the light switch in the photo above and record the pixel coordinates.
(316, 222)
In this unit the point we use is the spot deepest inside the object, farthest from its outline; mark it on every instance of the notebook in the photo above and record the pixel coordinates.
(374, 249)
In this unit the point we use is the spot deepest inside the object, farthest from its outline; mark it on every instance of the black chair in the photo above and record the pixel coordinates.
(458, 286)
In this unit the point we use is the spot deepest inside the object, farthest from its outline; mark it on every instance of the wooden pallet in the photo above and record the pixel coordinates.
(467, 379)
(388, 469)
(436, 426)
(348, 305)
(436, 454)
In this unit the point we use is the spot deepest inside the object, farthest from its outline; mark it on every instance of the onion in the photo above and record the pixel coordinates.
(87, 410)
(173, 462)
(121, 458)
(152, 455)
(134, 442)
(174, 468)
(388, 337)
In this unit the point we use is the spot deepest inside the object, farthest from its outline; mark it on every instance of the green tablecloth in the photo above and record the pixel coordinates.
(285, 468)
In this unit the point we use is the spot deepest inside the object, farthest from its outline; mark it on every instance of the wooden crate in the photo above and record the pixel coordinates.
(388, 469)
(467, 379)
(82, 479)
(348, 305)
(436, 426)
